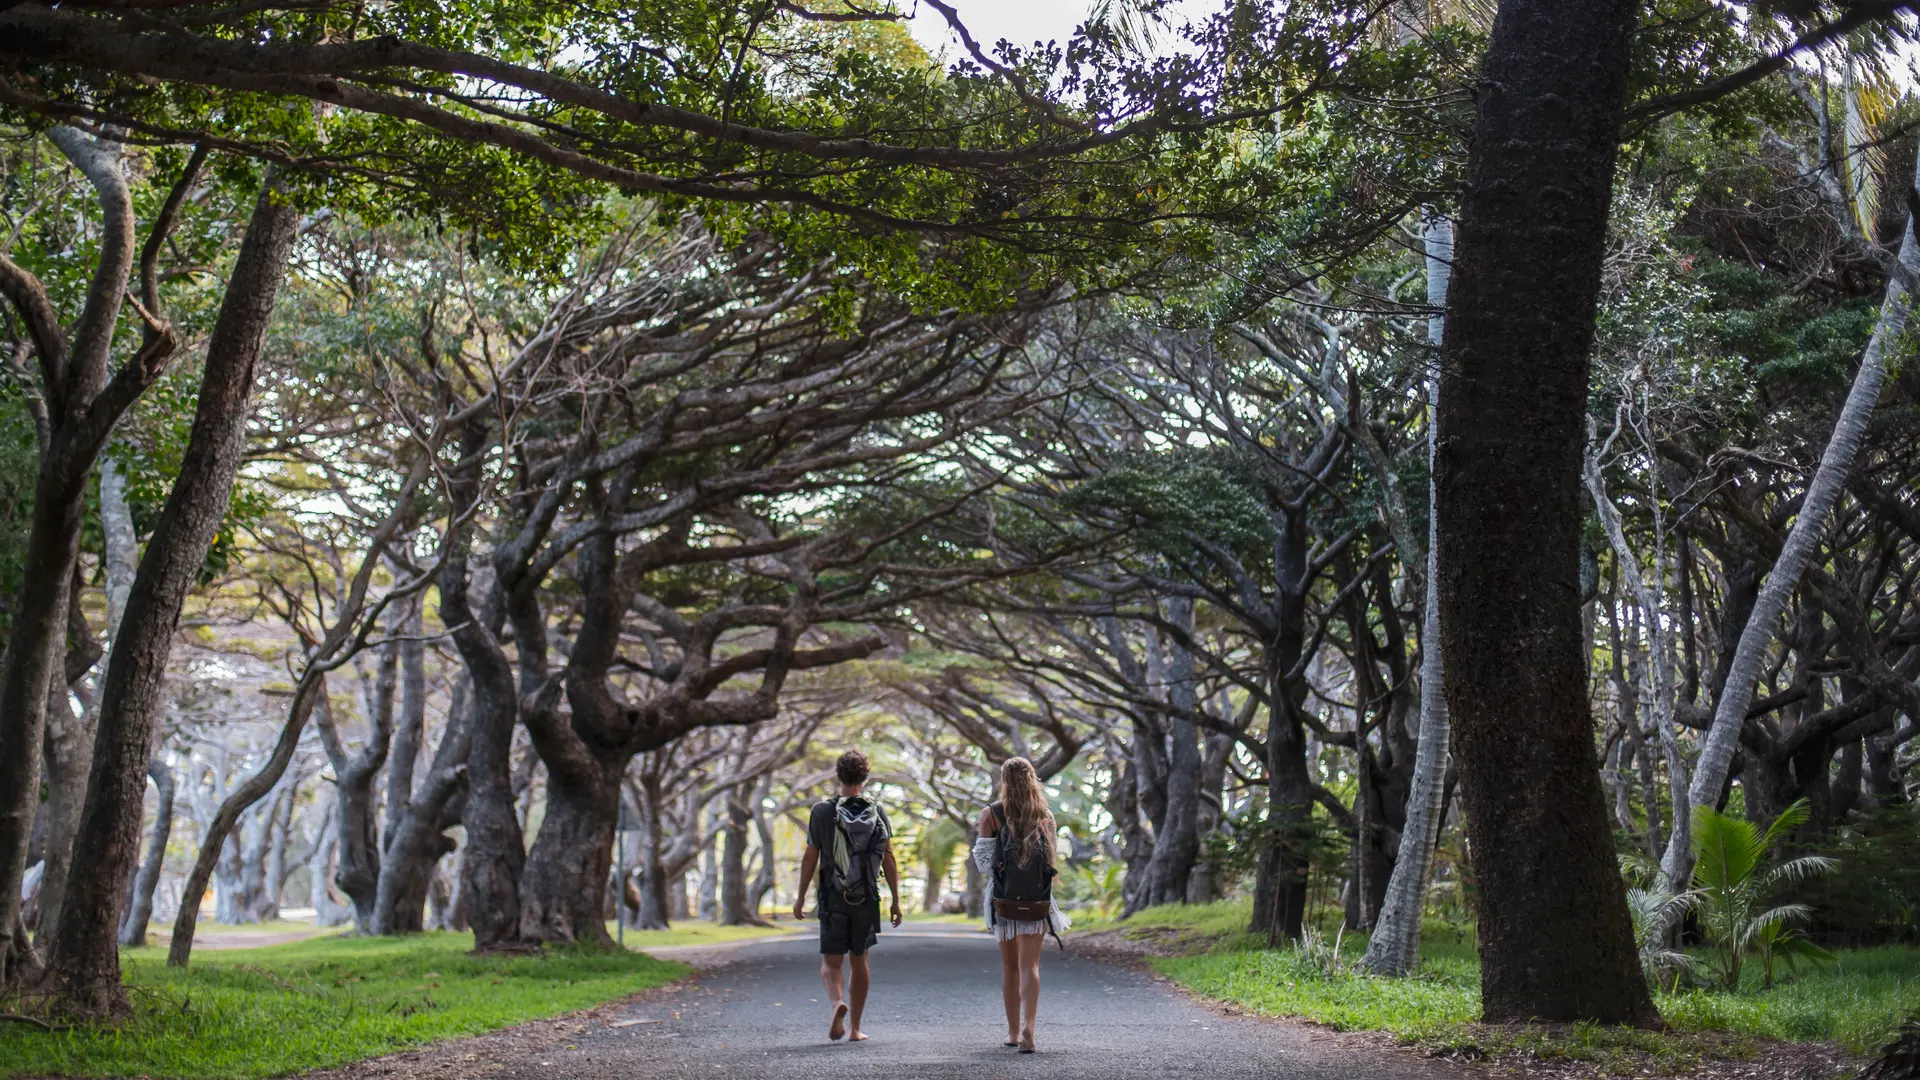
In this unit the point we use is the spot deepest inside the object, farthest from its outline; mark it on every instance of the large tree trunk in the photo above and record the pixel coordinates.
(76, 375)
(133, 925)
(1556, 943)
(1280, 879)
(564, 885)
(86, 959)
(1394, 948)
(1823, 494)
(496, 850)
(1176, 843)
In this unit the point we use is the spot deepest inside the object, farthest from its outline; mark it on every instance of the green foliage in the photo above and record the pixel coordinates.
(1099, 886)
(1858, 1002)
(19, 463)
(1873, 896)
(1732, 885)
(1169, 499)
(320, 1003)
(1653, 908)
(939, 841)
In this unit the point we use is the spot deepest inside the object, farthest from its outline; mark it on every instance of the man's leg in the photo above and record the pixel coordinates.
(857, 993)
(836, 992)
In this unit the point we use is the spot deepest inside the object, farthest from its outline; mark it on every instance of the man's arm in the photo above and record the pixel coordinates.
(808, 863)
(892, 870)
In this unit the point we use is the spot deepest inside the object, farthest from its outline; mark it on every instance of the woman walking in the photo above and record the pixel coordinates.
(1015, 851)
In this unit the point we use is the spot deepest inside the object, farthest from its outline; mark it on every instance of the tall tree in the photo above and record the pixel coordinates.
(85, 961)
(1556, 942)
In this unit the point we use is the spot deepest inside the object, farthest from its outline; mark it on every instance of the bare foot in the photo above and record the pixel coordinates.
(856, 1037)
(839, 1029)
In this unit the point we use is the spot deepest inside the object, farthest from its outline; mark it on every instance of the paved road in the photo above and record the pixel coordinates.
(935, 1013)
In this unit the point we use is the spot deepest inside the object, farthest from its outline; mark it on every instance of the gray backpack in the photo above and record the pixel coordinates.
(859, 838)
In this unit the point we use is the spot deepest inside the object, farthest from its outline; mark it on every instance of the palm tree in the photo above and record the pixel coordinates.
(1732, 885)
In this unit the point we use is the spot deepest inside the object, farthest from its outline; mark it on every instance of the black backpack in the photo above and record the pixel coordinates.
(854, 863)
(1022, 887)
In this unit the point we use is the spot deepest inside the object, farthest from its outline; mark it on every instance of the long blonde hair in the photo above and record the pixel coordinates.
(1025, 803)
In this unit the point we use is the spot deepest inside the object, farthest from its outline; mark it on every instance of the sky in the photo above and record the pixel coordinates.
(1019, 21)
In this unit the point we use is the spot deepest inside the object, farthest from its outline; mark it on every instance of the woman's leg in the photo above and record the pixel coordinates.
(1029, 946)
(1010, 985)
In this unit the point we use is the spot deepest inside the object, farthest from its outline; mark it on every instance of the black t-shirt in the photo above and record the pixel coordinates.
(820, 831)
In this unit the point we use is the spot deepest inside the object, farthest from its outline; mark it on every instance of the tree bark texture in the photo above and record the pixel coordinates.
(86, 955)
(133, 925)
(1556, 943)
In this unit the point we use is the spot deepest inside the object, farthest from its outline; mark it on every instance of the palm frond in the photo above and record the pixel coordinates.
(1802, 868)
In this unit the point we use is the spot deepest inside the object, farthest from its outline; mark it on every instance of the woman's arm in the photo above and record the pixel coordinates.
(988, 826)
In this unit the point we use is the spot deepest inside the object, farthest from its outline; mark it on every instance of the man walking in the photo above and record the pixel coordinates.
(858, 841)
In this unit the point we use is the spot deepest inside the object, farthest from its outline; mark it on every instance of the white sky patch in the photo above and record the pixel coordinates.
(1024, 22)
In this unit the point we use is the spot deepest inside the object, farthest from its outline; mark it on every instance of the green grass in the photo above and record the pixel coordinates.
(691, 932)
(1225, 919)
(245, 1013)
(1858, 1003)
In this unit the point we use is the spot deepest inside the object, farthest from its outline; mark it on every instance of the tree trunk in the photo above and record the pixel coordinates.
(133, 926)
(68, 448)
(1556, 943)
(566, 872)
(733, 870)
(412, 724)
(415, 840)
(763, 879)
(86, 959)
(67, 755)
(1394, 948)
(358, 846)
(1822, 495)
(1176, 844)
(496, 850)
(1280, 879)
(273, 866)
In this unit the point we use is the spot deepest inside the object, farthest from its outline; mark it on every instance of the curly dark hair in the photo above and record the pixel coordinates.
(852, 768)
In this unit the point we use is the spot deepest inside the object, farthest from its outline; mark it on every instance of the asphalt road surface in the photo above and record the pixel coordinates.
(934, 1012)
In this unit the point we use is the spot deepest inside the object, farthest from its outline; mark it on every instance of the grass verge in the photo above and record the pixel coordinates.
(1857, 1004)
(238, 1014)
(691, 932)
